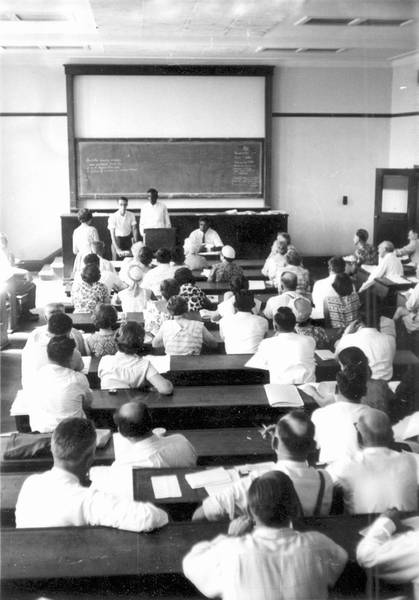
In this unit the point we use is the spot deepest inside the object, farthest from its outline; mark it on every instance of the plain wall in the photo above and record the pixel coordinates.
(404, 131)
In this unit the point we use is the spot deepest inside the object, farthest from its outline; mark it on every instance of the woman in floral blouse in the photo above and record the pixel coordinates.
(89, 292)
(194, 296)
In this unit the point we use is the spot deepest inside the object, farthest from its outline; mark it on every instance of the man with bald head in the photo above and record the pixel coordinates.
(389, 265)
(377, 477)
(287, 294)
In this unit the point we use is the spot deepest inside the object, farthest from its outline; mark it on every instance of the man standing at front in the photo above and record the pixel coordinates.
(123, 227)
(154, 214)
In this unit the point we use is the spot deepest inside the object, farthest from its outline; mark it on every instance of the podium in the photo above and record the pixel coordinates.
(160, 238)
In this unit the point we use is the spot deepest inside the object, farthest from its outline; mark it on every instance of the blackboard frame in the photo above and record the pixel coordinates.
(143, 195)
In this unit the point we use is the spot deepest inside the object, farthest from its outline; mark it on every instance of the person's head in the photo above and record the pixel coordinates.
(135, 275)
(281, 245)
(4, 242)
(122, 205)
(374, 429)
(105, 316)
(178, 255)
(184, 275)
(293, 258)
(361, 236)
(152, 195)
(53, 308)
(204, 224)
(135, 249)
(301, 307)
(59, 323)
(294, 436)
(144, 255)
(239, 283)
(90, 274)
(130, 338)
(289, 281)
(412, 235)
(73, 445)
(98, 247)
(163, 256)
(342, 284)
(91, 259)
(227, 254)
(385, 247)
(133, 420)
(284, 320)
(284, 235)
(85, 215)
(352, 382)
(169, 288)
(273, 501)
(177, 306)
(353, 357)
(190, 247)
(244, 301)
(60, 350)
(336, 265)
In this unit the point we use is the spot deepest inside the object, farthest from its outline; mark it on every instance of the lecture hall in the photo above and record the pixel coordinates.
(209, 301)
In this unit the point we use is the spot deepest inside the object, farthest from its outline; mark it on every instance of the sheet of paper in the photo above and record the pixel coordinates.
(160, 363)
(256, 284)
(325, 354)
(279, 394)
(397, 279)
(86, 361)
(166, 486)
(262, 467)
(208, 477)
(393, 385)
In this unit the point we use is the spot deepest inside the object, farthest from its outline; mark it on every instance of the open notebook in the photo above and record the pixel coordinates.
(279, 394)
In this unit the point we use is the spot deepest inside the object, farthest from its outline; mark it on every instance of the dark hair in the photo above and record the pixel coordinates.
(123, 198)
(244, 301)
(299, 445)
(163, 255)
(178, 255)
(169, 288)
(72, 438)
(184, 275)
(352, 382)
(205, 218)
(153, 192)
(59, 324)
(91, 259)
(290, 280)
(273, 500)
(105, 316)
(362, 235)
(354, 357)
(130, 337)
(60, 349)
(293, 258)
(145, 255)
(336, 264)
(239, 283)
(285, 235)
(84, 215)
(138, 425)
(285, 319)
(371, 318)
(90, 274)
(177, 305)
(343, 284)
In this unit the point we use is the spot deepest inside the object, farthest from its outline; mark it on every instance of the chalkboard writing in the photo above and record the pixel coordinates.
(178, 168)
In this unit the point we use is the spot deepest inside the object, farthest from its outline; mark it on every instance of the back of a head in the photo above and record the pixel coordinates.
(53, 308)
(98, 247)
(228, 253)
(59, 323)
(91, 259)
(301, 307)
(136, 249)
(342, 284)
(296, 432)
(72, 438)
(285, 319)
(388, 246)
(105, 316)
(177, 306)
(178, 255)
(362, 235)
(273, 500)
(85, 215)
(336, 264)
(130, 337)
(293, 258)
(133, 420)
(352, 382)
(239, 283)
(145, 255)
(153, 192)
(374, 427)
(163, 256)
(352, 356)
(169, 288)
(90, 274)
(184, 275)
(289, 280)
(244, 301)
(60, 350)
(284, 235)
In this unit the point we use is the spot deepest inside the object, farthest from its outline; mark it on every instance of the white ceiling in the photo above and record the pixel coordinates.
(208, 31)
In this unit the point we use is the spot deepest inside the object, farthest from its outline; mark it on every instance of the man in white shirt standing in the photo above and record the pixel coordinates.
(243, 331)
(389, 265)
(263, 557)
(205, 237)
(122, 226)
(322, 288)
(154, 214)
(61, 497)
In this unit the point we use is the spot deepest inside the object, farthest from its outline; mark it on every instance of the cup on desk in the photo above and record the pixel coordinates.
(159, 431)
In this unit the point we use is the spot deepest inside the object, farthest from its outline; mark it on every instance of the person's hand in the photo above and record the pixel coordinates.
(240, 526)
(394, 515)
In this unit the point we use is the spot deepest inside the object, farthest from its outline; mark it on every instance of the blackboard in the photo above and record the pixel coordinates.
(177, 168)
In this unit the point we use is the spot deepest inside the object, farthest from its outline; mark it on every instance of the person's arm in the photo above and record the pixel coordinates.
(332, 558)
(211, 276)
(77, 363)
(167, 222)
(230, 501)
(162, 385)
(134, 229)
(203, 565)
(75, 247)
(208, 339)
(158, 339)
(378, 272)
(87, 399)
(114, 242)
(408, 249)
(218, 243)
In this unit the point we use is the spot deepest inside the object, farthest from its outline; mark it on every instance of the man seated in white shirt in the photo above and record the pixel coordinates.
(412, 248)
(287, 294)
(154, 214)
(288, 356)
(389, 265)
(277, 258)
(153, 278)
(62, 497)
(243, 331)
(263, 557)
(34, 354)
(205, 237)
(293, 442)
(322, 288)
(376, 478)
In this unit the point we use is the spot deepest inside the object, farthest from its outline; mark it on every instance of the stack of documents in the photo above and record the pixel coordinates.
(166, 486)
(213, 480)
(279, 394)
(256, 284)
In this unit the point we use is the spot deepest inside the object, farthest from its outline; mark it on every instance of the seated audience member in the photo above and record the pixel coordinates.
(343, 306)
(287, 293)
(277, 258)
(109, 278)
(293, 442)
(57, 391)
(103, 341)
(156, 310)
(177, 258)
(89, 292)
(134, 298)
(127, 368)
(391, 548)
(243, 331)
(226, 269)
(364, 253)
(135, 443)
(322, 288)
(335, 432)
(376, 477)
(153, 278)
(294, 266)
(83, 237)
(378, 347)
(226, 307)
(104, 265)
(206, 237)
(410, 312)
(141, 257)
(412, 248)
(263, 556)
(193, 295)
(61, 497)
(181, 336)
(288, 356)
(193, 260)
(301, 307)
(35, 355)
(389, 265)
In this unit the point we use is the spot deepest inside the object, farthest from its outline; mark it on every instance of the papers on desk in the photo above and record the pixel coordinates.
(102, 437)
(279, 394)
(206, 272)
(86, 362)
(256, 284)
(160, 363)
(209, 477)
(260, 468)
(166, 486)
(325, 354)
(397, 279)
(369, 268)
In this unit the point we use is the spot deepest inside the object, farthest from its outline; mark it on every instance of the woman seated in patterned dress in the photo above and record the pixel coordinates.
(88, 292)
(103, 340)
(194, 296)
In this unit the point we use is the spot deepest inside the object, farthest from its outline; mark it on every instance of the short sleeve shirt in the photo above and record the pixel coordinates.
(122, 224)
(124, 371)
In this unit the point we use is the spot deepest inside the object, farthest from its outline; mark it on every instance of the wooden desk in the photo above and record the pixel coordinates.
(85, 320)
(221, 287)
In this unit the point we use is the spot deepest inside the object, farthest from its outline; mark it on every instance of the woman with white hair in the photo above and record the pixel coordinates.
(193, 260)
(133, 298)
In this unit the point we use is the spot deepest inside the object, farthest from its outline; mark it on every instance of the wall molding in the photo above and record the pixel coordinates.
(345, 115)
(33, 114)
